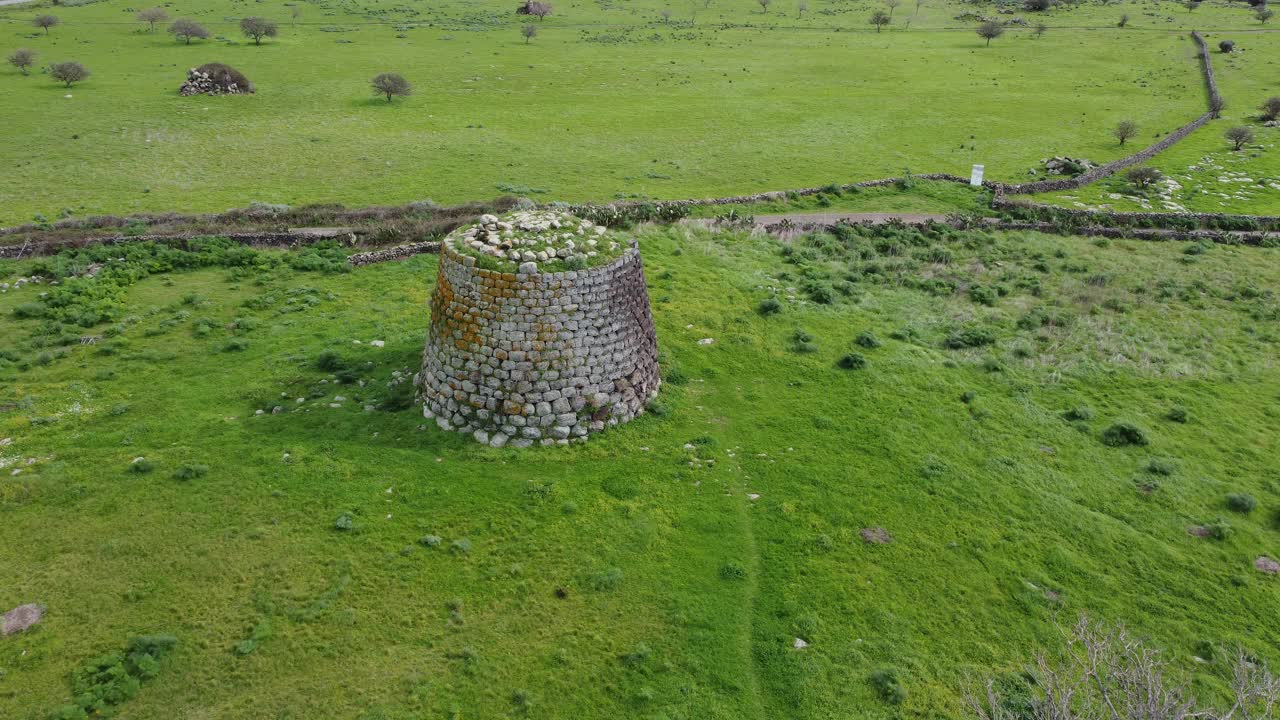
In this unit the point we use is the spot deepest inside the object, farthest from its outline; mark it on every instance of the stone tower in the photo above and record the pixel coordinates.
(540, 332)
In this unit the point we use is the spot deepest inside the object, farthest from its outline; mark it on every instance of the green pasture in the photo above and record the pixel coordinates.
(359, 563)
(608, 101)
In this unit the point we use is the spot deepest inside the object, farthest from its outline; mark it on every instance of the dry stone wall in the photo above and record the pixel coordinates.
(517, 358)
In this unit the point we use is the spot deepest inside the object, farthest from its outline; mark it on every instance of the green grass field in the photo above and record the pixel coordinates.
(608, 101)
(635, 576)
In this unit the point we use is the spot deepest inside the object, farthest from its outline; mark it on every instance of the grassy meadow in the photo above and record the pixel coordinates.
(610, 100)
(356, 562)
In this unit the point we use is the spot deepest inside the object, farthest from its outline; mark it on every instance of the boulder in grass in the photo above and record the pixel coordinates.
(21, 618)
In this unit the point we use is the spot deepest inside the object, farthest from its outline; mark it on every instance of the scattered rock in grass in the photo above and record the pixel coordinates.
(377, 343)
(799, 644)
(706, 341)
(1263, 564)
(22, 618)
(875, 536)
(753, 496)
(1199, 531)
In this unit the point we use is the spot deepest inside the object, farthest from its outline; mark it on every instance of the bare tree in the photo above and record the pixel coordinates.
(764, 5)
(1124, 130)
(1239, 136)
(666, 15)
(23, 59)
(990, 30)
(880, 18)
(528, 31)
(892, 5)
(1271, 108)
(802, 7)
(1124, 21)
(538, 9)
(1109, 673)
(70, 72)
(46, 22)
(187, 30)
(1191, 5)
(1263, 13)
(391, 85)
(151, 16)
(294, 14)
(1040, 28)
(919, 3)
(258, 28)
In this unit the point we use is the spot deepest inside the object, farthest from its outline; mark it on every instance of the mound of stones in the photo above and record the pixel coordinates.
(215, 79)
(1061, 165)
(526, 353)
(531, 237)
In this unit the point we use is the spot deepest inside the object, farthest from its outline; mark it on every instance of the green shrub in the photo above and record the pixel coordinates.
(190, 472)
(344, 522)
(1177, 414)
(1079, 413)
(969, 337)
(608, 579)
(1161, 466)
(983, 295)
(868, 340)
(769, 306)
(733, 570)
(430, 541)
(1241, 503)
(1219, 529)
(852, 361)
(886, 684)
(636, 656)
(104, 682)
(30, 310)
(1124, 433)
(461, 546)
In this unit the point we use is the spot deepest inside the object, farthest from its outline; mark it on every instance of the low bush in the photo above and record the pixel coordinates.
(887, 685)
(1161, 466)
(107, 681)
(1121, 434)
(867, 339)
(769, 306)
(190, 472)
(1241, 503)
(141, 466)
(1177, 414)
(852, 361)
(969, 337)
(733, 570)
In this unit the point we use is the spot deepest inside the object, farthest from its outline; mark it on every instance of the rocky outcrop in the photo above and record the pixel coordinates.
(215, 79)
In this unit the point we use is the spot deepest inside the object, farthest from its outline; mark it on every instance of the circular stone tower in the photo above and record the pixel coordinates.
(540, 332)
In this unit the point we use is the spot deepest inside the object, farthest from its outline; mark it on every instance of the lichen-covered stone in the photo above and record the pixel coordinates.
(514, 358)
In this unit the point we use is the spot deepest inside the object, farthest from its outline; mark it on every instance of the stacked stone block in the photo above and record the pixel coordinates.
(517, 358)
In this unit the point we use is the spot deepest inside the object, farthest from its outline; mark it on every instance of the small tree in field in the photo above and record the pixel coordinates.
(880, 18)
(187, 30)
(70, 72)
(666, 15)
(892, 5)
(990, 30)
(1191, 5)
(1040, 28)
(1264, 14)
(258, 28)
(1144, 177)
(294, 14)
(151, 16)
(391, 85)
(1226, 46)
(1124, 21)
(1124, 130)
(22, 59)
(764, 5)
(539, 9)
(1239, 136)
(802, 7)
(45, 22)
(528, 31)
(1271, 108)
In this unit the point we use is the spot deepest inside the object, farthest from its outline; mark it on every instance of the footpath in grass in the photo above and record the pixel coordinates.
(893, 449)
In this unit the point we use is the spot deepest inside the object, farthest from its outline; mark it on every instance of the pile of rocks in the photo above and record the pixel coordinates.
(1061, 165)
(535, 236)
(202, 82)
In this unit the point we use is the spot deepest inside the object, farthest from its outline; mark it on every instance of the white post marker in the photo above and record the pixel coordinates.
(975, 177)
